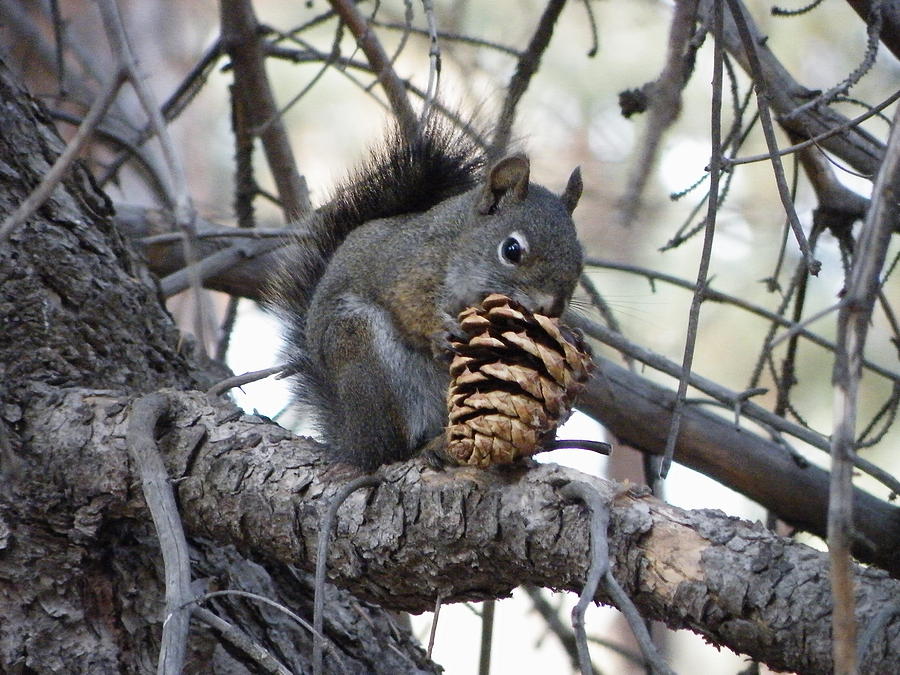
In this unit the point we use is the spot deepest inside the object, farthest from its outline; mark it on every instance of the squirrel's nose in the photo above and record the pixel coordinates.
(545, 303)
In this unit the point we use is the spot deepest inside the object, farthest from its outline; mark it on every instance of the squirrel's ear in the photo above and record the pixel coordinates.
(572, 193)
(510, 173)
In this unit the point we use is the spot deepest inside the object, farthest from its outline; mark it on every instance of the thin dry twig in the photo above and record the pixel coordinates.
(118, 38)
(242, 39)
(175, 183)
(855, 145)
(853, 324)
(815, 140)
(449, 37)
(258, 598)
(261, 656)
(369, 480)
(145, 414)
(185, 92)
(527, 66)
(765, 118)
(487, 636)
(393, 86)
(715, 165)
(712, 295)
(281, 608)
(434, 58)
(874, 32)
(598, 567)
(599, 570)
(432, 634)
(665, 104)
(240, 380)
(725, 396)
(556, 626)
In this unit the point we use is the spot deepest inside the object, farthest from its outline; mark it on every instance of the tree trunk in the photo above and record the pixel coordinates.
(80, 566)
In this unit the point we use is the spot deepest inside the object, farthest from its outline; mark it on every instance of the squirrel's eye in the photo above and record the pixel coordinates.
(512, 249)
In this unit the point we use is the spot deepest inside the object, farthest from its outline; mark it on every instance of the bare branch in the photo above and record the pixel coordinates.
(240, 380)
(238, 638)
(241, 38)
(665, 104)
(715, 171)
(371, 46)
(854, 145)
(853, 324)
(599, 570)
(145, 415)
(762, 98)
(527, 66)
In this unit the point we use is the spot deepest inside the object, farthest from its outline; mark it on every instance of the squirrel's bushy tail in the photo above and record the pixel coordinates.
(399, 176)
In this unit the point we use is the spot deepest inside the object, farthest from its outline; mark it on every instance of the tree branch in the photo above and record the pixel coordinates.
(855, 146)
(145, 416)
(853, 325)
(465, 534)
(241, 38)
(638, 411)
(527, 66)
(381, 64)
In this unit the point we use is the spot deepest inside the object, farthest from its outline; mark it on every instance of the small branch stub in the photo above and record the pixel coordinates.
(513, 383)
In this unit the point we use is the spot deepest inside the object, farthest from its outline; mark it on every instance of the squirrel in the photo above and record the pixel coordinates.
(370, 296)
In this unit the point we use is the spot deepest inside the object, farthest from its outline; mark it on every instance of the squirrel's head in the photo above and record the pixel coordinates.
(520, 241)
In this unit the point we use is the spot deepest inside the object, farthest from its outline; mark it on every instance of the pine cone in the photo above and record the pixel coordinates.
(513, 383)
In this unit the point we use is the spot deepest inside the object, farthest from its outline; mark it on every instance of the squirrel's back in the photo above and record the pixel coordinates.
(400, 176)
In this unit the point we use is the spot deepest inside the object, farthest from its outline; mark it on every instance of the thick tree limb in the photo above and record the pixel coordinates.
(468, 535)
(637, 412)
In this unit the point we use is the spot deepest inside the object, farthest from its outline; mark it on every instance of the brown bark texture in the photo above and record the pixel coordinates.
(81, 578)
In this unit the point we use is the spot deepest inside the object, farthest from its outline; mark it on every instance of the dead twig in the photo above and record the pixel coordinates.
(240, 380)
(242, 39)
(665, 104)
(141, 438)
(261, 656)
(526, 67)
(599, 570)
(393, 86)
(765, 118)
(715, 165)
(369, 480)
(725, 396)
(853, 324)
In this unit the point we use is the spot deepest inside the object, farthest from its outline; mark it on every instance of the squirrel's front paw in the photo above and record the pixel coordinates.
(434, 452)
(442, 340)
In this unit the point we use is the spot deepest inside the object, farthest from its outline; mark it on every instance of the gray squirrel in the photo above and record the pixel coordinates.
(370, 297)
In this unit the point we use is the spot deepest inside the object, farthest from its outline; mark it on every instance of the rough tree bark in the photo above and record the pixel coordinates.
(80, 570)
(82, 333)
